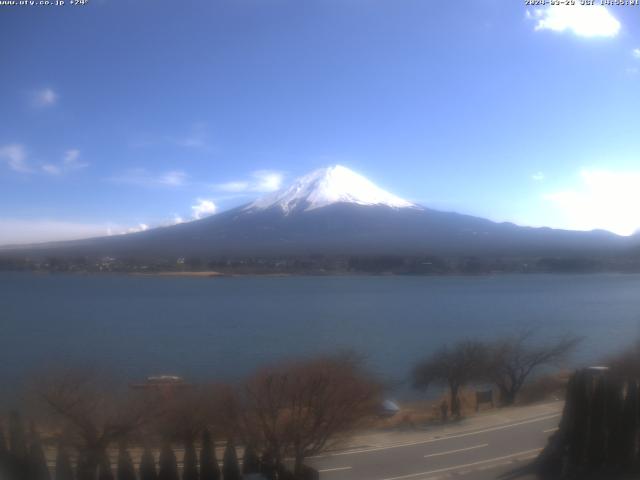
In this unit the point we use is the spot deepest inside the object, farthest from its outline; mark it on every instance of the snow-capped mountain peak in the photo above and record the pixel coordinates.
(336, 184)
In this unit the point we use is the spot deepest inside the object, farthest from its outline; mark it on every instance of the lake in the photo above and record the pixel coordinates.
(222, 328)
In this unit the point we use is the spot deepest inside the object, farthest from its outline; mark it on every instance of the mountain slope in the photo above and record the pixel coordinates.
(337, 212)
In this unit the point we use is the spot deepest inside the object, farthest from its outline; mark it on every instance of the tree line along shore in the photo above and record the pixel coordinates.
(323, 264)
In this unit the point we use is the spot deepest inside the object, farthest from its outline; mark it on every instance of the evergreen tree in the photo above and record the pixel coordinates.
(209, 469)
(81, 467)
(577, 408)
(614, 419)
(63, 464)
(268, 466)
(126, 471)
(17, 442)
(190, 461)
(37, 462)
(3, 443)
(148, 466)
(284, 474)
(104, 468)
(598, 429)
(88, 464)
(5, 462)
(17, 447)
(168, 464)
(230, 467)
(630, 424)
(250, 461)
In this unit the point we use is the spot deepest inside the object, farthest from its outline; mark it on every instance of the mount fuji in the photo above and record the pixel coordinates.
(335, 211)
(327, 186)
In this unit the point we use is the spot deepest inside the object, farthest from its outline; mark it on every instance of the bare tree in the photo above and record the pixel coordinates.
(88, 409)
(627, 363)
(512, 359)
(305, 407)
(453, 367)
(182, 415)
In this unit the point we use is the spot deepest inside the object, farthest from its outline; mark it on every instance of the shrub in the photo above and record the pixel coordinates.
(168, 464)
(209, 469)
(126, 470)
(148, 466)
(63, 464)
(250, 461)
(190, 461)
(38, 469)
(230, 467)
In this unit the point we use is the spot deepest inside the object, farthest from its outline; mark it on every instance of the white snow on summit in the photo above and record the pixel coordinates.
(336, 184)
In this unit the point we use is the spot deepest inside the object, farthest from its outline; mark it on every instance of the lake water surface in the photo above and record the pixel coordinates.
(222, 328)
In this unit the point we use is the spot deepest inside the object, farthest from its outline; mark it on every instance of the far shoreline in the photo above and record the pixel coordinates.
(218, 274)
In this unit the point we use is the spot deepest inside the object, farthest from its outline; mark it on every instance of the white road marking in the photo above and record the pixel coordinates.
(441, 439)
(466, 465)
(549, 430)
(337, 469)
(456, 451)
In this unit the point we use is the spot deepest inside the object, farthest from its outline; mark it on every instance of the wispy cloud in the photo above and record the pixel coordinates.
(15, 157)
(174, 178)
(537, 177)
(203, 208)
(69, 163)
(44, 97)
(581, 20)
(636, 53)
(260, 181)
(604, 199)
(197, 137)
(144, 178)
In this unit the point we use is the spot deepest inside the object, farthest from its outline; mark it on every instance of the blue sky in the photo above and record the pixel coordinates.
(118, 115)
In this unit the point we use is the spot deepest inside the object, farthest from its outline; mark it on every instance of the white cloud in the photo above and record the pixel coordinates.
(261, 181)
(636, 53)
(538, 176)
(70, 162)
(582, 20)
(144, 178)
(15, 156)
(203, 208)
(141, 227)
(45, 97)
(267, 180)
(605, 199)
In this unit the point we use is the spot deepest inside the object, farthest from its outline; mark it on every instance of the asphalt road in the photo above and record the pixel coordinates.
(483, 449)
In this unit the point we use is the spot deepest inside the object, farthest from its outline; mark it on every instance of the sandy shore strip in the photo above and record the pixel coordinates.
(180, 274)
